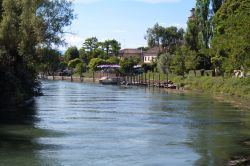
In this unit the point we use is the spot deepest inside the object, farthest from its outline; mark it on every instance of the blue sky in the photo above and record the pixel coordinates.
(125, 20)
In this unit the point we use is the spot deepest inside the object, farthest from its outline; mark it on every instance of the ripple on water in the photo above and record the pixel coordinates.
(107, 125)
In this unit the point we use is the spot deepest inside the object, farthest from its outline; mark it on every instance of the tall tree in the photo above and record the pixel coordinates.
(179, 66)
(111, 47)
(154, 35)
(216, 5)
(164, 63)
(92, 48)
(71, 54)
(55, 15)
(192, 35)
(90, 45)
(200, 32)
(231, 42)
(49, 60)
(202, 14)
(25, 26)
(84, 56)
(167, 38)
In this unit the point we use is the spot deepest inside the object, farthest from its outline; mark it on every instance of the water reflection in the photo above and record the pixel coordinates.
(217, 131)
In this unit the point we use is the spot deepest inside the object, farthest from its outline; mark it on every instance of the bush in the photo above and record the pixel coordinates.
(233, 86)
(72, 64)
(95, 62)
(81, 68)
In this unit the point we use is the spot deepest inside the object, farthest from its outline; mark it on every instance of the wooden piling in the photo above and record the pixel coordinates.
(159, 80)
(149, 79)
(153, 78)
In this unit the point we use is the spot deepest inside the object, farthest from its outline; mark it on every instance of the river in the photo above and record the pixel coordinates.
(89, 124)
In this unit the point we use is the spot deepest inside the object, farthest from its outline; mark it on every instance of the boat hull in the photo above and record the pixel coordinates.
(108, 81)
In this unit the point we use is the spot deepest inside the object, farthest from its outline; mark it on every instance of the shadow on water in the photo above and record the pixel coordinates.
(18, 115)
(19, 135)
(218, 132)
(13, 123)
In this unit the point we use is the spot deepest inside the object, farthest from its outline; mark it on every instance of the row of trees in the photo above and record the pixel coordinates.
(92, 48)
(217, 38)
(27, 27)
(91, 54)
(94, 53)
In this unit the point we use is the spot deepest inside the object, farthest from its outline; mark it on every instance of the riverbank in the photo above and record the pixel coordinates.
(74, 79)
(232, 90)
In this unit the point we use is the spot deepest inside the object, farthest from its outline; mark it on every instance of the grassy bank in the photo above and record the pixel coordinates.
(237, 87)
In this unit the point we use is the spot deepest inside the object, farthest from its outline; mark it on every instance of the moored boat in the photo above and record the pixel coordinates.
(108, 81)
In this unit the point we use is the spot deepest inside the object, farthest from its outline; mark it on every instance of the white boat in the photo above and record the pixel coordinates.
(108, 81)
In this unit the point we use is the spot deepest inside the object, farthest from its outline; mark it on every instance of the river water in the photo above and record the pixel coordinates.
(87, 124)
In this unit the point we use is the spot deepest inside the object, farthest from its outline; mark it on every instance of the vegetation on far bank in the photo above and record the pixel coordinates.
(237, 87)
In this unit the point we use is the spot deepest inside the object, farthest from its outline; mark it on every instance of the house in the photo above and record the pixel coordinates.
(151, 55)
(131, 53)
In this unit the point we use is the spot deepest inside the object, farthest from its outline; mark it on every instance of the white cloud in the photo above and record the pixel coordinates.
(72, 40)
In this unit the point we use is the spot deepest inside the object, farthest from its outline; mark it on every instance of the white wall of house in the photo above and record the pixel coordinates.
(149, 59)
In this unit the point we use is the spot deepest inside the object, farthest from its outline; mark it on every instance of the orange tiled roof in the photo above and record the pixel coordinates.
(153, 51)
(130, 51)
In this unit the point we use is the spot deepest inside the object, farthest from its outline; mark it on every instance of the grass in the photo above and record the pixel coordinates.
(239, 87)
(88, 74)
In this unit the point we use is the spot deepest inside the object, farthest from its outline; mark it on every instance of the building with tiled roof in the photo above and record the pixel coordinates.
(130, 53)
(151, 55)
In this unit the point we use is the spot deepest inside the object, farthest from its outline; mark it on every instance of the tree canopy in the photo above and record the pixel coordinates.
(110, 47)
(71, 54)
(49, 60)
(166, 37)
(231, 42)
(25, 27)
